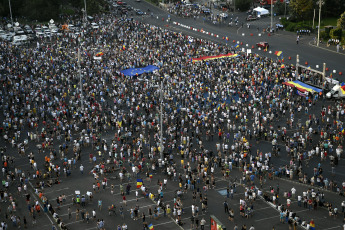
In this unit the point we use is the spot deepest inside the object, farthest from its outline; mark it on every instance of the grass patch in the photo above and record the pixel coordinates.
(327, 22)
(308, 24)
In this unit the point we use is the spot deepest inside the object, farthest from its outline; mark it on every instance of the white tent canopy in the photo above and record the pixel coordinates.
(261, 11)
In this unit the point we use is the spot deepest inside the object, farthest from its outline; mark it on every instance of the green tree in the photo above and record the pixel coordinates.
(301, 9)
(243, 5)
(341, 21)
(333, 8)
(279, 8)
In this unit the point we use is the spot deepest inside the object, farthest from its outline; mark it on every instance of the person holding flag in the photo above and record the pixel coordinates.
(139, 183)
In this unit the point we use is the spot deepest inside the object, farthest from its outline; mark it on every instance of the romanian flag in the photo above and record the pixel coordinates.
(237, 46)
(150, 175)
(312, 225)
(205, 58)
(139, 183)
(282, 66)
(99, 54)
(342, 130)
(151, 227)
(278, 53)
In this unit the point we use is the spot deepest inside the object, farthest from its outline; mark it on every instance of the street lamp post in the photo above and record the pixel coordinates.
(51, 23)
(85, 14)
(9, 3)
(80, 78)
(161, 121)
(271, 15)
(318, 29)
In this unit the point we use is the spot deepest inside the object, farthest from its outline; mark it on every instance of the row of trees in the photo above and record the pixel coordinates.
(44, 10)
(304, 9)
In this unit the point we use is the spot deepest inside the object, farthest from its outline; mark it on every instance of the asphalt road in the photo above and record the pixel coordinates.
(264, 217)
(279, 41)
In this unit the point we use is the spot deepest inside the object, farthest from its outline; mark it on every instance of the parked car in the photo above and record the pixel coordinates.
(251, 18)
(17, 43)
(263, 45)
(139, 12)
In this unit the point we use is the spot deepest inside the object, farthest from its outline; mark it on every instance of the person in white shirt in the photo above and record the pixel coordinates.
(288, 203)
(293, 192)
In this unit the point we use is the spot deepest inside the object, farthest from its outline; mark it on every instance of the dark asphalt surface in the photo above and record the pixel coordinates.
(264, 216)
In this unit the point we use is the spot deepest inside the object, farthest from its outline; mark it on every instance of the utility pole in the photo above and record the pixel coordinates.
(271, 15)
(85, 9)
(314, 20)
(161, 121)
(9, 3)
(318, 29)
(285, 10)
(80, 79)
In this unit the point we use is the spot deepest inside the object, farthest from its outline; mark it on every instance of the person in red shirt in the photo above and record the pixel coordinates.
(124, 200)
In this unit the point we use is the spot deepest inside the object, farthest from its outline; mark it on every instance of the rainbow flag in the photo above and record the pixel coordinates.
(205, 58)
(151, 227)
(343, 89)
(99, 54)
(278, 53)
(301, 93)
(139, 183)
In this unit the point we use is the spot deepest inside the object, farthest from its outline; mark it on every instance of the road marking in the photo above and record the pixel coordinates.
(35, 195)
(151, 204)
(91, 228)
(310, 43)
(135, 199)
(73, 222)
(333, 227)
(267, 218)
(66, 214)
(337, 173)
(66, 205)
(56, 190)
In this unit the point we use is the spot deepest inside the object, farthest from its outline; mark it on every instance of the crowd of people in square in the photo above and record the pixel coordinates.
(215, 112)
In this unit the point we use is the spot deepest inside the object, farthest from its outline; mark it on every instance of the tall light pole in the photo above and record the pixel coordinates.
(271, 15)
(318, 29)
(9, 3)
(85, 13)
(80, 78)
(161, 120)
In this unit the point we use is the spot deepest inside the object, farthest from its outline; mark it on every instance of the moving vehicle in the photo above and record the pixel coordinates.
(251, 18)
(263, 45)
(139, 12)
(337, 91)
(224, 15)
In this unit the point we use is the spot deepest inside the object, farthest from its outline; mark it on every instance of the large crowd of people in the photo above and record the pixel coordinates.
(214, 113)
